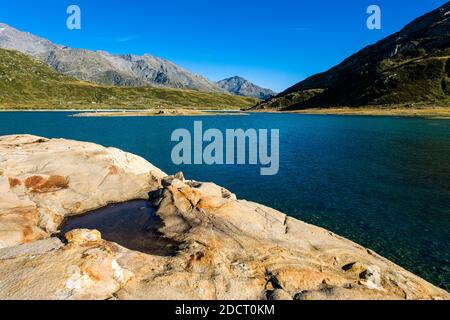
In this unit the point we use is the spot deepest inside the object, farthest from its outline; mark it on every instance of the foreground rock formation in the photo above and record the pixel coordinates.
(43, 181)
(230, 249)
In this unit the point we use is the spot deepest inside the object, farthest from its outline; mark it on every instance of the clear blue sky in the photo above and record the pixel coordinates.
(274, 43)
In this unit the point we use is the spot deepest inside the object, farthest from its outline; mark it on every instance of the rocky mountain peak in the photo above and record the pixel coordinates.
(240, 86)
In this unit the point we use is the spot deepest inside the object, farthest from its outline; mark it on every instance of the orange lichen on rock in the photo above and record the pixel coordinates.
(39, 184)
(13, 182)
(29, 234)
(32, 182)
(113, 170)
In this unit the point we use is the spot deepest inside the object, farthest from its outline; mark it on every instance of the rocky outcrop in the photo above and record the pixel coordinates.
(230, 249)
(43, 181)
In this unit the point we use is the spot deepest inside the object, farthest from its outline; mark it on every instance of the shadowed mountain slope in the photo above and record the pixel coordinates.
(411, 66)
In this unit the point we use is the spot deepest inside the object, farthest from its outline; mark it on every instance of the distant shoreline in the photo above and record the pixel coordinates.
(418, 112)
(134, 112)
(158, 113)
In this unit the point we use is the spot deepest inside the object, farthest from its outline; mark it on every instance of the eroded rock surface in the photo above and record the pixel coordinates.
(231, 249)
(85, 268)
(235, 249)
(43, 181)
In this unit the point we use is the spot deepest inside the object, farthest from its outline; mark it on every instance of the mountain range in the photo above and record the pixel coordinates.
(27, 83)
(410, 66)
(121, 70)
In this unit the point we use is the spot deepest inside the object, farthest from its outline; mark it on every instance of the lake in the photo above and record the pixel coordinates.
(383, 182)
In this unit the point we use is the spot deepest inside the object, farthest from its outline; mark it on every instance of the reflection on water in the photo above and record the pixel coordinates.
(133, 225)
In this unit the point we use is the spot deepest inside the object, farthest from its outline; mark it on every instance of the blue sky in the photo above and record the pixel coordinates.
(273, 43)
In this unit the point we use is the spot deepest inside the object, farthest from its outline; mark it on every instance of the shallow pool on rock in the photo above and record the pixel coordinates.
(132, 224)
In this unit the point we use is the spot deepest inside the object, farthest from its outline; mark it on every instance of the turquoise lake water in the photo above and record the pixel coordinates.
(382, 182)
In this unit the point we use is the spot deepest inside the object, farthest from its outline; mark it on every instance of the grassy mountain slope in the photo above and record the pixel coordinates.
(103, 67)
(27, 83)
(409, 67)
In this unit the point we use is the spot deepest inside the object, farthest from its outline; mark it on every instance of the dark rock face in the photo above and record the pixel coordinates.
(103, 67)
(410, 66)
(243, 87)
